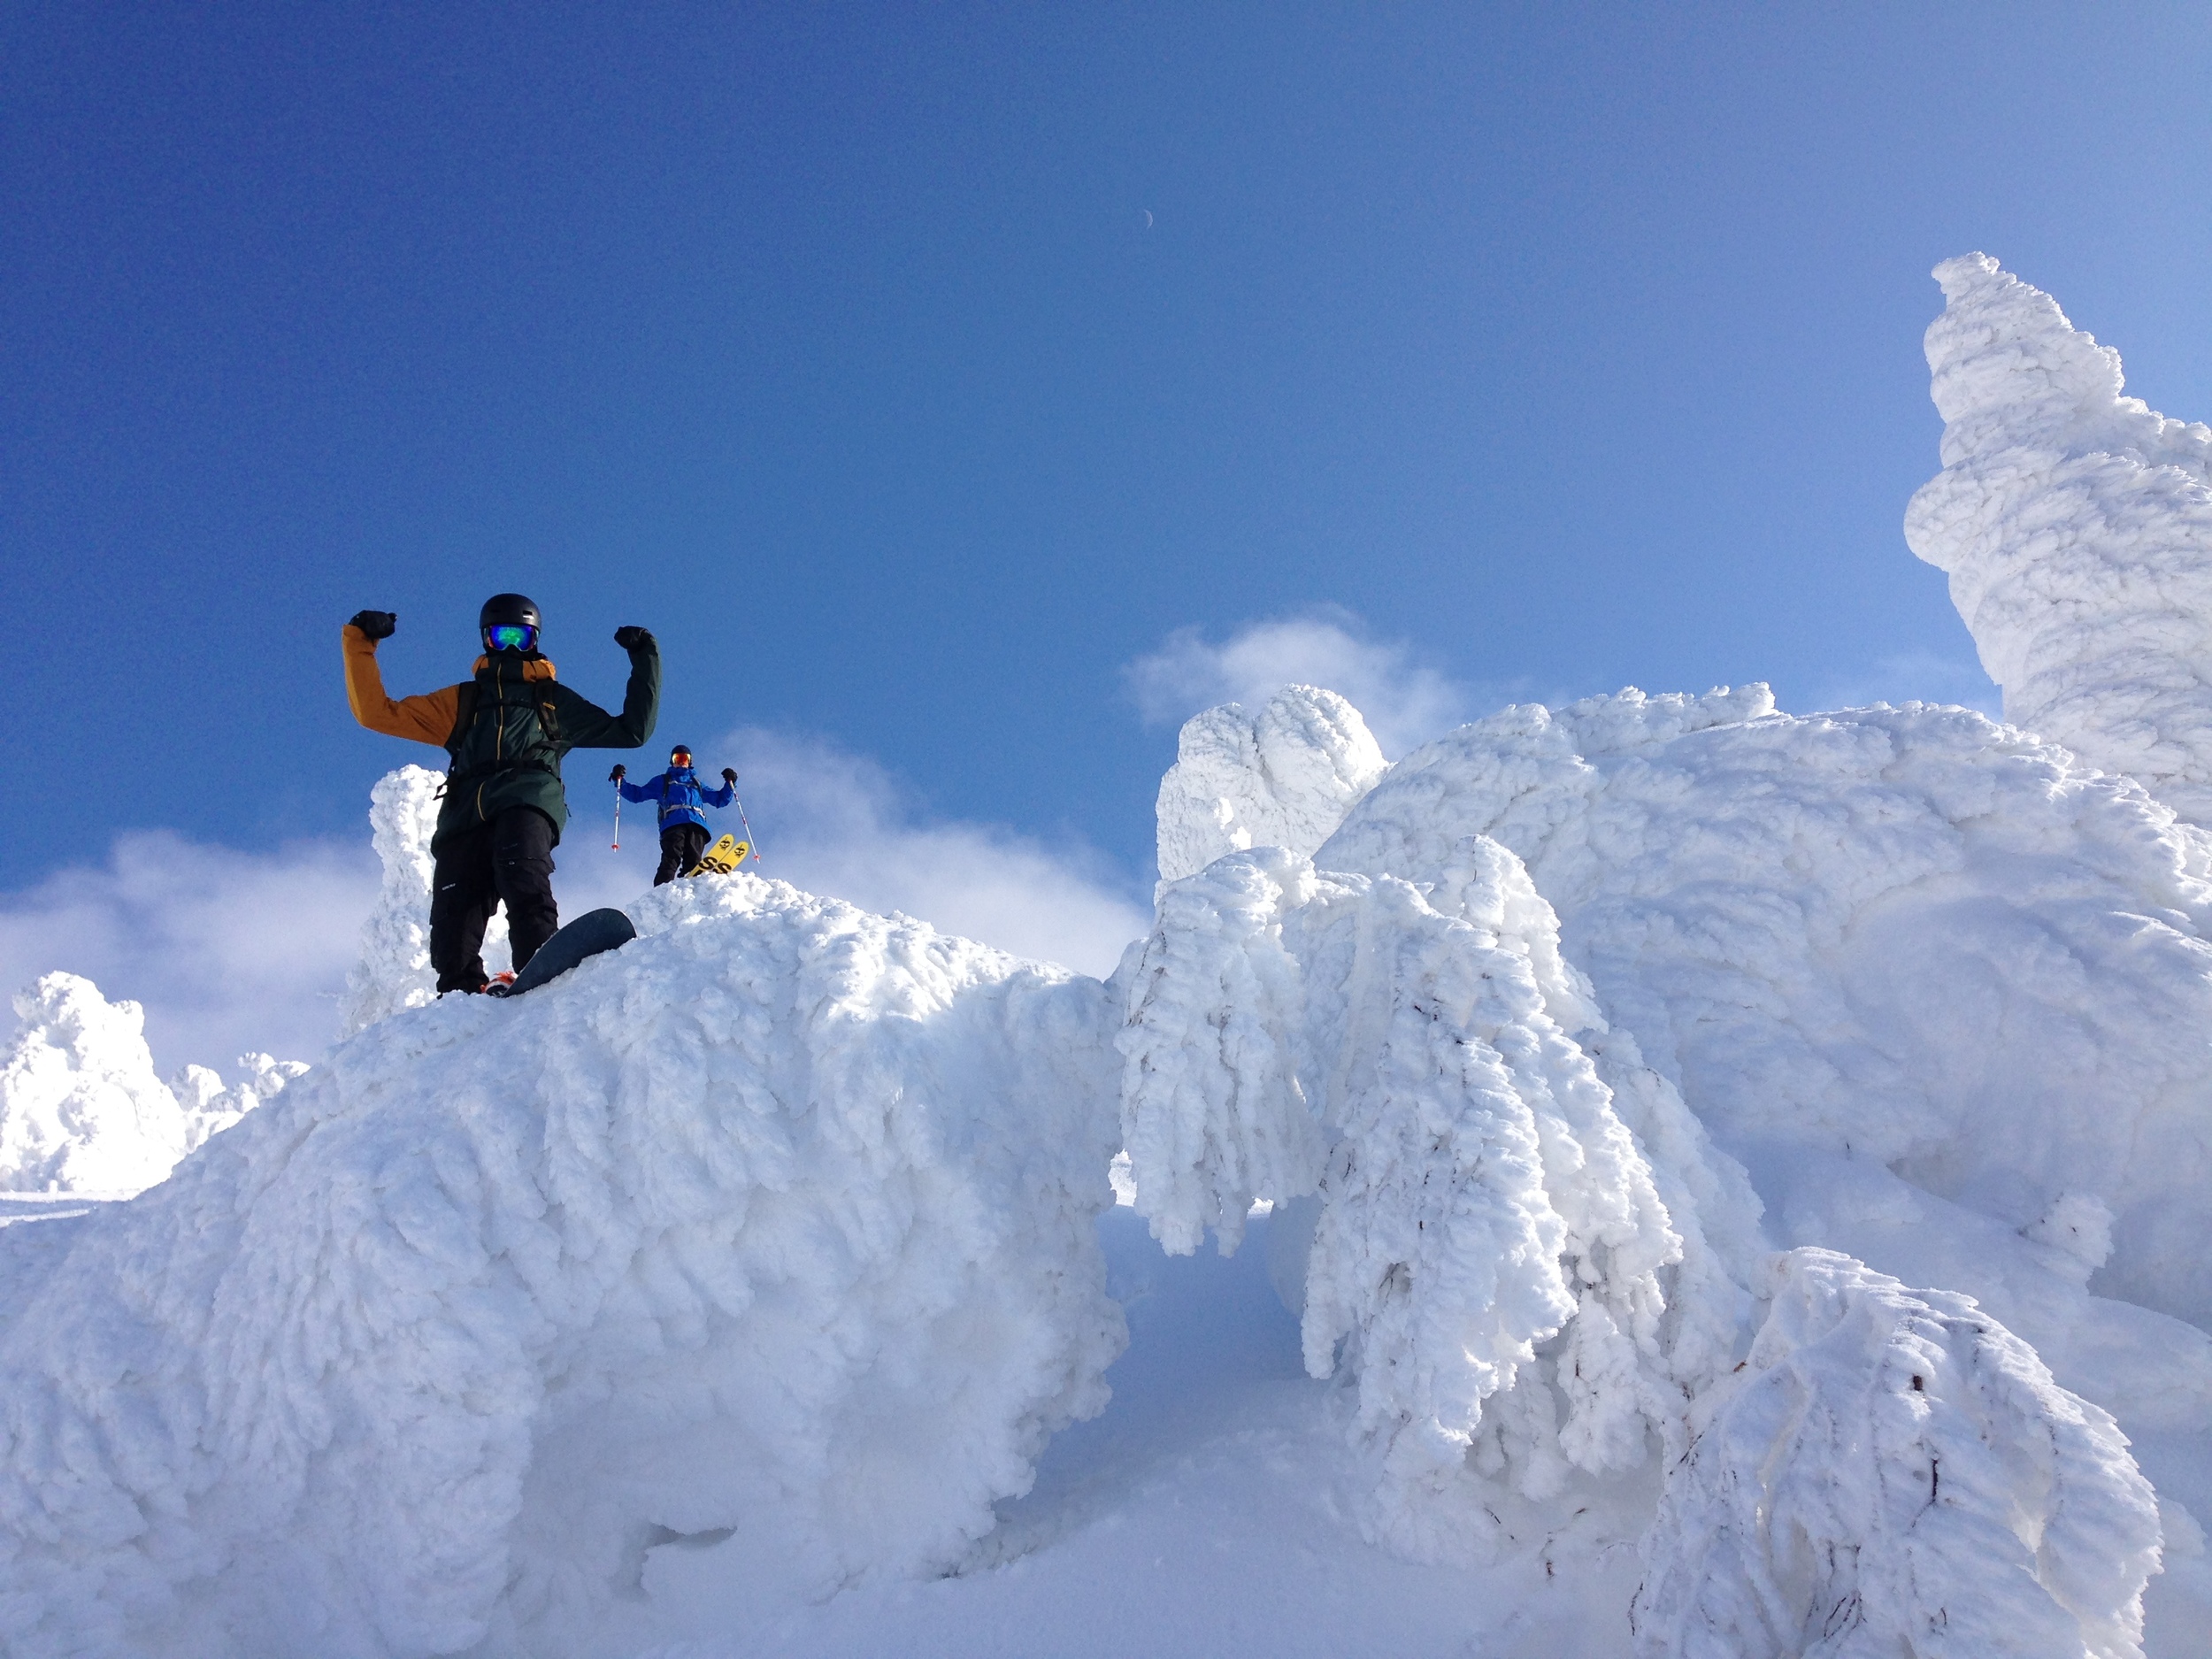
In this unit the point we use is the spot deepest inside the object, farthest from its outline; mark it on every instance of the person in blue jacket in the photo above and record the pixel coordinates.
(684, 833)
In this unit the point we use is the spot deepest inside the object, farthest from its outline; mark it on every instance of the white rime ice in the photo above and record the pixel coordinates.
(81, 1109)
(210, 1106)
(1480, 1195)
(1906, 938)
(1894, 1473)
(80, 1106)
(1282, 779)
(394, 971)
(2077, 526)
(758, 1253)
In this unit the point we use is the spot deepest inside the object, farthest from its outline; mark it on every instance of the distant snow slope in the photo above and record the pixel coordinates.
(2076, 527)
(769, 1237)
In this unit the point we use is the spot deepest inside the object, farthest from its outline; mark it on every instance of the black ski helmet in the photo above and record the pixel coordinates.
(507, 611)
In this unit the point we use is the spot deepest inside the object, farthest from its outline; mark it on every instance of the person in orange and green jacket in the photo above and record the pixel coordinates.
(504, 731)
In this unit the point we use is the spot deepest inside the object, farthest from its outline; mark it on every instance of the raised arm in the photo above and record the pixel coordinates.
(427, 719)
(649, 790)
(585, 725)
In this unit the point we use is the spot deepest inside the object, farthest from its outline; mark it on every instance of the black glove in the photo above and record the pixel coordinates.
(376, 625)
(636, 640)
(729, 776)
(616, 776)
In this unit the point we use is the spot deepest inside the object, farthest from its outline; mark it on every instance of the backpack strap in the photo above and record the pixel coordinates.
(464, 714)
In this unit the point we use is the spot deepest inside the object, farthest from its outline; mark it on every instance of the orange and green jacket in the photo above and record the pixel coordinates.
(503, 731)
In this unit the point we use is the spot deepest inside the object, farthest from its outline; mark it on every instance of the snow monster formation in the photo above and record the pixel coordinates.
(2076, 527)
(1284, 778)
(394, 971)
(81, 1109)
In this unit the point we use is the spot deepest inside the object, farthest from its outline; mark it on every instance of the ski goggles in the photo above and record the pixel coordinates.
(511, 636)
(679, 757)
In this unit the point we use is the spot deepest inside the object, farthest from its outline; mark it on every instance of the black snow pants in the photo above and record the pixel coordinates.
(508, 861)
(680, 847)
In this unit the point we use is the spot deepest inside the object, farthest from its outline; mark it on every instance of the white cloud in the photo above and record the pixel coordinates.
(1405, 702)
(231, 951)
(1915, 676)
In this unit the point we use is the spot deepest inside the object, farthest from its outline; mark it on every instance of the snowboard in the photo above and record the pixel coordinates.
(587, 935)
(721, 858)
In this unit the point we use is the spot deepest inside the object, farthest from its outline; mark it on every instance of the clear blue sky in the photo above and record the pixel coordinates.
(909, 370)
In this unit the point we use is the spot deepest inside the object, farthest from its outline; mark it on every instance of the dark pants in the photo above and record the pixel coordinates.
(680, 847)
(508, 861)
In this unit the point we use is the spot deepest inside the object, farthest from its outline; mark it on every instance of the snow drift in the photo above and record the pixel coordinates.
(761, 1247)
(2076, 527)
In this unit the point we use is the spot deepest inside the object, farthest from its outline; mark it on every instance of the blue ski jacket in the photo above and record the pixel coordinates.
(681, 796)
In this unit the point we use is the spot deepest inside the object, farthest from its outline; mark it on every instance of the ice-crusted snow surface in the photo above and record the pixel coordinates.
(1282, 777)
(2075, 524)
(393, 971)
(762, 1245)
(1896, 1473)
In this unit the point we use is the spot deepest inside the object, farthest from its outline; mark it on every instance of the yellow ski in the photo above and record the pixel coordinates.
(722, 858)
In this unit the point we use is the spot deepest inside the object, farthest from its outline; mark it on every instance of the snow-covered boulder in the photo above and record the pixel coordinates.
(1893, 1473)
(393, 971)
(81, 1109)
(2075, 525)
(1494, 1259)
(1284, 778)
(757, 1255)
(1906, 941)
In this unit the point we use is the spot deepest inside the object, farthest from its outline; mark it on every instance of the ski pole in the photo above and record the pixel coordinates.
(617, 812)
(749, 842)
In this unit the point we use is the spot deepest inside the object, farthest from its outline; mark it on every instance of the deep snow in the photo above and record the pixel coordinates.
(1687, 1179)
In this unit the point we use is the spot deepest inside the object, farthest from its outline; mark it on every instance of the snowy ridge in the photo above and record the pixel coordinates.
(1480, 1196)
(1896, 1473)
(758, 1255)
(1284, 778)
(2075, 525)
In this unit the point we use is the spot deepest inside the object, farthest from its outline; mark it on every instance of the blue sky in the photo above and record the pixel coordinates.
(913, 373)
